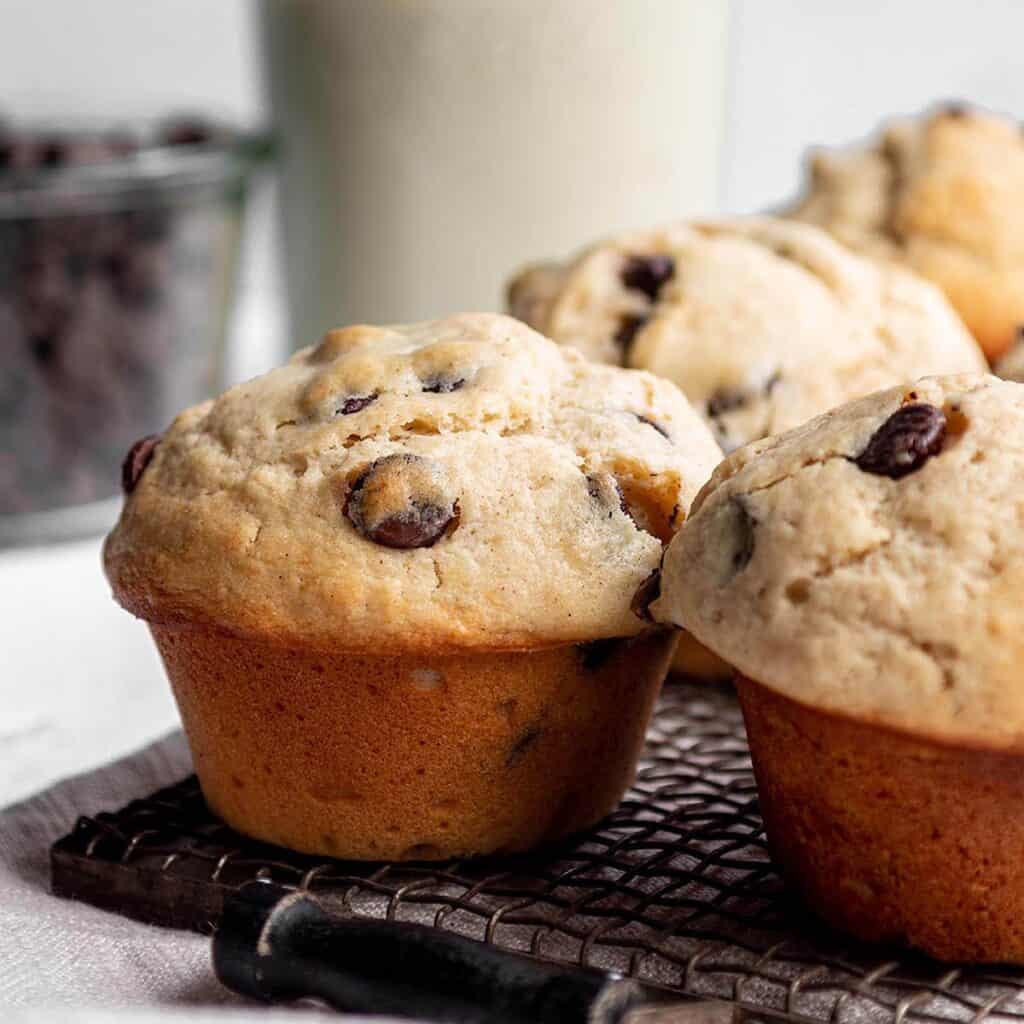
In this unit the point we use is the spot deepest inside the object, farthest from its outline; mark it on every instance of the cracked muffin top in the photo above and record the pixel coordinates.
(870, 563)
(762, 323)
(450, 485)
(941, 194)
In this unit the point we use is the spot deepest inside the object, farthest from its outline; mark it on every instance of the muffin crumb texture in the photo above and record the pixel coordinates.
(868, 563)
(459, 484)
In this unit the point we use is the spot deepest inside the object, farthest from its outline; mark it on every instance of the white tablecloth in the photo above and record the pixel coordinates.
(81, 685)
(81, 682)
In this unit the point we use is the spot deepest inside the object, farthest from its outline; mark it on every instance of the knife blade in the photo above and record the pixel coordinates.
(276, 944)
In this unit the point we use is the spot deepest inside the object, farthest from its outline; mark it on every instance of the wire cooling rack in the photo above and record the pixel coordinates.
(674, 888)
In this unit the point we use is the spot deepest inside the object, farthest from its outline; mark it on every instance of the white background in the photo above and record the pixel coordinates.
(79, 681)
(804, 71)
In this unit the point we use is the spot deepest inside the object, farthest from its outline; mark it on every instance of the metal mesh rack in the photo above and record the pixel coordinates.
(675, 888)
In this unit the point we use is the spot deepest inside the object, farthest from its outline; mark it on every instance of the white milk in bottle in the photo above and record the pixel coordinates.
(430, 147)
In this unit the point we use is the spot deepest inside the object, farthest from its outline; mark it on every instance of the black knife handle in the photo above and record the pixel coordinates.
(277, 944)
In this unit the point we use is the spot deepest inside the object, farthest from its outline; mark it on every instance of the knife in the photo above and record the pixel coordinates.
(277, 944)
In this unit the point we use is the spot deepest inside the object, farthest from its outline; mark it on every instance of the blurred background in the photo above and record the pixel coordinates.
(424, 149)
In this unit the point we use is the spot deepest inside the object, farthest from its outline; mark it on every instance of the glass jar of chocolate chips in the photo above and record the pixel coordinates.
(118, 250)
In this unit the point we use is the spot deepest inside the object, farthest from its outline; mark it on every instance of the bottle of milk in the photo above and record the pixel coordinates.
(430, 147)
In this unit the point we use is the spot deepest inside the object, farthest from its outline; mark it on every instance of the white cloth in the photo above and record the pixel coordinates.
(68, 961)
(80, 679)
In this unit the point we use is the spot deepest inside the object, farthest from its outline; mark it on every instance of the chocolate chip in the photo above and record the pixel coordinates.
(356, 404)
(136, 461)
(186, 131)
(443, 385)
(646, 594)
(904, 442)
(629, 327)
(137, 276)
(741, 533)
(725, 400)
(120, 144)
(18, 152)
(956, 108)
(401, 501)
(148, 225)
(595, 654)
(651, 423)
(52, 153)
(43, 348)
(104, 320)
(526, 740)
(648, 274)
(421, 527)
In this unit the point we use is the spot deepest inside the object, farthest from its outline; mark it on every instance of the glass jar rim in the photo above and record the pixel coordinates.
(154, 170)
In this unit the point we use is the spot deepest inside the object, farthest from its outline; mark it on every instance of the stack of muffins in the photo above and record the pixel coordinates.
(416, 591)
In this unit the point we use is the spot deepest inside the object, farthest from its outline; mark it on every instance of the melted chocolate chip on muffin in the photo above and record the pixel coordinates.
(402, 501)
(905, 441)
(648, 274)
(357, 403)
(136, 461)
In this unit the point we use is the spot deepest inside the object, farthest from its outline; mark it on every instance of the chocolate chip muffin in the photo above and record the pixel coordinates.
(940, 194)
(862, 572)
(762, 323)
(392, 582)
(1011, 365)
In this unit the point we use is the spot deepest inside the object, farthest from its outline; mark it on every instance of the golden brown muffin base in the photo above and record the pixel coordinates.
(423, 758)
(693, 660)
(892, 837)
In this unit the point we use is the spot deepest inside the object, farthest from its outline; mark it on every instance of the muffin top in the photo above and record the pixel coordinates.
(941, 194)
(762, 323)
(450, 485)
(869, 562)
